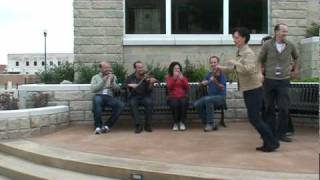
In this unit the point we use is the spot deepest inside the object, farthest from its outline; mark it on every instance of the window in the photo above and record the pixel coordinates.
(51, 63)
(145, 17)
(197, 17)
(27, 63)
(192, 22)
(242, 14)
(59, 63)
(42, 63)
(17, 63)
(35, 63)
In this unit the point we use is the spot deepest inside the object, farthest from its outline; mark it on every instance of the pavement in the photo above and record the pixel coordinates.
(231, 147)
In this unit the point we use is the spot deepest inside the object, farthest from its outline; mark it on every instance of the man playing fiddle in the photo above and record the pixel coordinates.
(216, 83)
(140, 86)
(103, 84)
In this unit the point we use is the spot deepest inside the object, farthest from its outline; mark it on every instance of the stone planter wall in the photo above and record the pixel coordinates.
(309, 57)
(33, 121)
(79, 99)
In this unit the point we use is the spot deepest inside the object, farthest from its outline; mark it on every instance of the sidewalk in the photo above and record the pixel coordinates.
(231, 147)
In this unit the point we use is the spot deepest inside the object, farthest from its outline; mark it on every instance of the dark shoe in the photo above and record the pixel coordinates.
(260, 148)
(148, 128)
(138, 129)
(285, 139)
(290, 133)
(268, 149)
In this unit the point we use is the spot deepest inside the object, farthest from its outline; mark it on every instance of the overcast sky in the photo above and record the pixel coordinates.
(22, 23)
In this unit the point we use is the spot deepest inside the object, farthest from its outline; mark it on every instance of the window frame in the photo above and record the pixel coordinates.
(189, 39)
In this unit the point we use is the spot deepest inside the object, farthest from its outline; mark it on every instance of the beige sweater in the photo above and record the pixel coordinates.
(246, 68)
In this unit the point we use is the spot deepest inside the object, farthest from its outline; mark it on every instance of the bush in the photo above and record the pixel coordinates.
(157, 71)
(309, 79)
(86, 72)
(120, 71)
(57, 74)
(8, 102)
(313, 30)
(194, 73)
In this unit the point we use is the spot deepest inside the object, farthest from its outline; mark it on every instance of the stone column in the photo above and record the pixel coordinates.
(98, 31)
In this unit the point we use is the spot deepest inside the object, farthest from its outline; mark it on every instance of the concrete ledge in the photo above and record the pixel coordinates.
(310, 40)
(123, 168)
(33, 121)
(54, 87)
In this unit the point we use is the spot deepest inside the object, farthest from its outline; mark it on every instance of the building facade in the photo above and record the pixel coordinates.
(32, 63)
(166, 30)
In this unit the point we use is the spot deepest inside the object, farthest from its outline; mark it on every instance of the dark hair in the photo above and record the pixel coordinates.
(277, 27)
(243, 31)
(216, 57)
(136, 62)
(264, 39)
(171, 66)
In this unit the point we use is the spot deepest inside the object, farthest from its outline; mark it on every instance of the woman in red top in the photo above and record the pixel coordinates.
(178, 87)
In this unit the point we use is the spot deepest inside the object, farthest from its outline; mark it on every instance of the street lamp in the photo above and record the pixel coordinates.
(45, 50)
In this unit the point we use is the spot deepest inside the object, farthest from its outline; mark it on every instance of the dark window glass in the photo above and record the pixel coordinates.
(35, 63)
(51, 63)
(42, 63)
(252, 14)
(27, 63)
(17, 63)
(197, 16)
(145, 17)
(59, 63)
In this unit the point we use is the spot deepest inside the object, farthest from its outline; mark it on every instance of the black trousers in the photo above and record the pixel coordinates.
(179, 108)
(253, 101)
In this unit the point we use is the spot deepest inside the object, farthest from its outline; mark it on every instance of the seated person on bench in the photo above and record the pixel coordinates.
(103, 85)
(216, 83)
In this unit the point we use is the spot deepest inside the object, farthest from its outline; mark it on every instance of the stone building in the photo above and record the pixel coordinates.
(32, 63)
(166, 30)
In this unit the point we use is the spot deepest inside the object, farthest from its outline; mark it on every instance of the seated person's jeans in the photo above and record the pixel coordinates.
(179, 108)
(146, 102)
(101, 101)
(205, 107)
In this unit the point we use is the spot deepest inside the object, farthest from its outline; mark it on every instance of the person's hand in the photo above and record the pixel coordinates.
(152, 80)
(231, 62)
(133, 85)
(294, 74)
(261, 77)
(176, 74)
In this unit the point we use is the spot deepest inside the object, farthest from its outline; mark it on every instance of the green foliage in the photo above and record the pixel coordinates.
(120, 71)
(157, 71)
(313, 30)
(194, 73)
(309, 79)
(57, 74)
(86, 72)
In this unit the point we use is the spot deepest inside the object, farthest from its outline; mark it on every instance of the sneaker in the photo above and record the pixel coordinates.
(175, 127)
(182, 126)
(105, 129)
(208, 128)
(98, 131)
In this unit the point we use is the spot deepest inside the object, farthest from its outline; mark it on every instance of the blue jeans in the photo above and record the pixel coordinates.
(253, 101)
(276, 93)
(146, 102)
(205, 107)
(101, 101)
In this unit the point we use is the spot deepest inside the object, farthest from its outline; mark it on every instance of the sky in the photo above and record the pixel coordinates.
(22, 23)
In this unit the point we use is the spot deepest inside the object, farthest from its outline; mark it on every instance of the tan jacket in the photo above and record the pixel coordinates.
(247, 69)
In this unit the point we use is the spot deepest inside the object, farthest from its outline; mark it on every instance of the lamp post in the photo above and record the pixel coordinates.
(45, 50)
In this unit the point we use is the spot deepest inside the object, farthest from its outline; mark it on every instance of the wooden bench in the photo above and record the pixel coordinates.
(160, 105)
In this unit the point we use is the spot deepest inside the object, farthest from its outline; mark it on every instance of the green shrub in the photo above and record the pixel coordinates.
(120, 71)
(309, 79)
(57, 74)
(85, 73)
(194, 73)
(313, 30)
(158, 71)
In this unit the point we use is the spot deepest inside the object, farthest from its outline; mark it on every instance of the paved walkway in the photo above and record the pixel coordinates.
(231, 147)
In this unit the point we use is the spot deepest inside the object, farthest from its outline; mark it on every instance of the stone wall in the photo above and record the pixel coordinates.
(79, 99)
(310, 57)
(35, 121)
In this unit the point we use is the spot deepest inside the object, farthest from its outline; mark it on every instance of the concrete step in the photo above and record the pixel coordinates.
(124, 168)
(17, 168)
